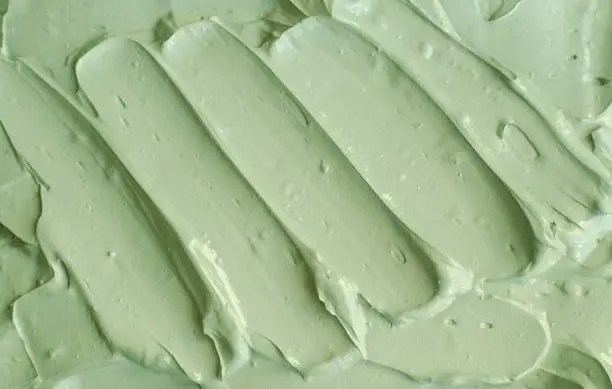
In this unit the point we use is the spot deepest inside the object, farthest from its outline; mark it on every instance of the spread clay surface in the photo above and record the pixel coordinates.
(301, 194)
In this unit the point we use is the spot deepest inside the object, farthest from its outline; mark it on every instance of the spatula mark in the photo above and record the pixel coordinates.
(491, 10)
(576, 366)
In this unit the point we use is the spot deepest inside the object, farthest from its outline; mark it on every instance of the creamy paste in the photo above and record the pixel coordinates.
(300, 194)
